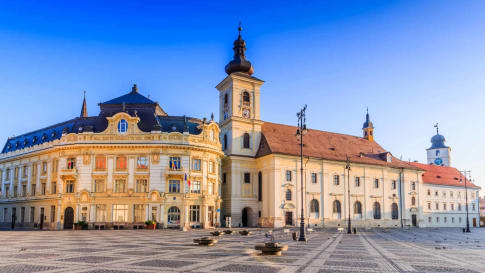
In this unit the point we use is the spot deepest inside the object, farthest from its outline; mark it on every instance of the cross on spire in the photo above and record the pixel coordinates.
(437, 127)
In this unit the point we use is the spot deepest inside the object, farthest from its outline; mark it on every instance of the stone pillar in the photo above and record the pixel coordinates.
(147, 212)
(162, 215)
(92, 213)
(58, 215)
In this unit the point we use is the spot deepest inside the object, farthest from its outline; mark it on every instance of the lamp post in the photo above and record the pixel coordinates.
(347, 167)
(466, 201)
(302, 130)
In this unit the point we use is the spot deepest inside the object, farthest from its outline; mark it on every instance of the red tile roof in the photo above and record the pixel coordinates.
(281, 139)
(441, 175)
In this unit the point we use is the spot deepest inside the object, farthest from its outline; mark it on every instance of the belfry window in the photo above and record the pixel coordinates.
(246, 140)
(122, 126)
(246, 100)
(226, 99)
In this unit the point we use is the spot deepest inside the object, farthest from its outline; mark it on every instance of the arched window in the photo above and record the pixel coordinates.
(246, 141)
(358, 208)
(377, 210)
(246, 98)
(226, 99)
(336, 206)
(314, 209)
(173, 216)
(225, 141)
(122, 126)
(395, 212)
(288, 195)
(413, 201)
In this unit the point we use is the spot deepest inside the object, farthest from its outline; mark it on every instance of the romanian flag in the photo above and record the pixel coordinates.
(187, 180)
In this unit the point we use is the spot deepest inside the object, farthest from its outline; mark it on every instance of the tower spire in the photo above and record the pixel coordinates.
(239, 62)
(368, 127)
(84, 108)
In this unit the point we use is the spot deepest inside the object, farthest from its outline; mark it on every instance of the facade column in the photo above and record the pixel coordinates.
(162, 215)
(147, 212)
(92, 213)
(186, 216)
(58, 215)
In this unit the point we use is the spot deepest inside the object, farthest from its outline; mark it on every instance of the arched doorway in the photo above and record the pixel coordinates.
(68, 218)
(246, 217)
(173, 216)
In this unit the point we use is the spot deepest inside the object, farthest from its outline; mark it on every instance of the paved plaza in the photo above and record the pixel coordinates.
(108, 251)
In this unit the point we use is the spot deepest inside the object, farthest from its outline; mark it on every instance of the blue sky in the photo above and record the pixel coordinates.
(413, 63)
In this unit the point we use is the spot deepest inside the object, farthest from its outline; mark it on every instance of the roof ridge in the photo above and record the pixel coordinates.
(45, 128)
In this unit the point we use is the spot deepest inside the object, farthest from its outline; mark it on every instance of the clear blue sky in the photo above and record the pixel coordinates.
(413, 63)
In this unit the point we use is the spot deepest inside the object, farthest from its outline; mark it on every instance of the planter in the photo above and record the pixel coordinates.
(245, 232)
(229, 231)
(271, 248)
(205, 241)
(152, 226)
(80, 227)
(216, 233)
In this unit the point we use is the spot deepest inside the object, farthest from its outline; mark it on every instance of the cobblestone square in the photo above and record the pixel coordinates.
(378, 250)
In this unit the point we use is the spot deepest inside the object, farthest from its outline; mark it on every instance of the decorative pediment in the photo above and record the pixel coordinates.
(117, 126)
(288, 206)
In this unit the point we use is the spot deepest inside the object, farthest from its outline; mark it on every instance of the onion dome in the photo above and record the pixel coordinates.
(438, 141)
(239, 63)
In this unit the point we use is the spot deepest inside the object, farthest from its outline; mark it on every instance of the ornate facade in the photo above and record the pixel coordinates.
(129, 164)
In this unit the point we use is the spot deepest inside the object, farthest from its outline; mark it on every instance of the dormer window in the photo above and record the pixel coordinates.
(122, 126)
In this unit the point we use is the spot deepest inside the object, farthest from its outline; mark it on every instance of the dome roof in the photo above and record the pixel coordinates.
(438, 141)
(239, 63)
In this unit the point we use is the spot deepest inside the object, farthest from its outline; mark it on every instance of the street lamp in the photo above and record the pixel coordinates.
(466, 201)
(300, 132)
(347, 167)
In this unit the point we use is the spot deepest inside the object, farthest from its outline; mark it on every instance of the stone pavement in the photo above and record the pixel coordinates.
(109, 251)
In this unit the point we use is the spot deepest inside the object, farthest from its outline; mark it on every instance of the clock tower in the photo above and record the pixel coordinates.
(240, 123)
(438, 153)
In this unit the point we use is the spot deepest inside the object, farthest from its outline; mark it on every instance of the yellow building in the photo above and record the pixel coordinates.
(129, 164)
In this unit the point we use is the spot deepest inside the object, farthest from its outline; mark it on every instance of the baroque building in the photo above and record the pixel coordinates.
(129, 164)
(260, 172)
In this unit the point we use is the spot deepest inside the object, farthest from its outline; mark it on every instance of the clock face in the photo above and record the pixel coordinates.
(438, 161)
(246, 113)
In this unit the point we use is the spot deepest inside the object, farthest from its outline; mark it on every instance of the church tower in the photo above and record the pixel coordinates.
(239, 109)
(368, 128)
(240, 123)
(439, 153)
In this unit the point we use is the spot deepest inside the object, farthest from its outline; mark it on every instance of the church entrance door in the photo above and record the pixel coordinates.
(68, 218)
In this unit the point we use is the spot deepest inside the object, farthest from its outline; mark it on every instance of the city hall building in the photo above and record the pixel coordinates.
(129, 164)
(133, 162)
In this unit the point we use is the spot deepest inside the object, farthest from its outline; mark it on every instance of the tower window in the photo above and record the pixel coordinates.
(246, 98)
(225, 141)
(247, 178)
(226, 99)
(246, 141)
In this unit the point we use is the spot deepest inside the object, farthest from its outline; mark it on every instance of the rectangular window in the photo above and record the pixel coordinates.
(1, 176)
(429, 206)
(224, 178)
(444, 206)
(429, 219)
(194, 213)
(437, 206)
(429, 193)
(314, 178)
(100, 162)
(53, 214)
(473, 206)
(459, 207)
(24, 190)
(5, 212)
(174, 163)
(120, 213)
(196, 165)
(84, 214)
(336, 180)
(99, 185)
(141, 185)
(357, 181)
(71, 163)
(16, 173)
(22, 214)
(121, 163)
(451, 194)
(139, 213)
(413, 186)
(142, 162)
(376, 183)
(210, 188)
(436, 193)
(15, 191)
(437, 219)
(288, 175)
(247, 178)
(394, 184)
(174, 186)
(100, 213)
(32, 214)
(446, 219)
(33, 188)
(43, 188)
(54, 187)
(7, 190)
(7, 174)
(120, 185)
(69, 186)
(452, 206)
(195, 187)
(44, 168)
